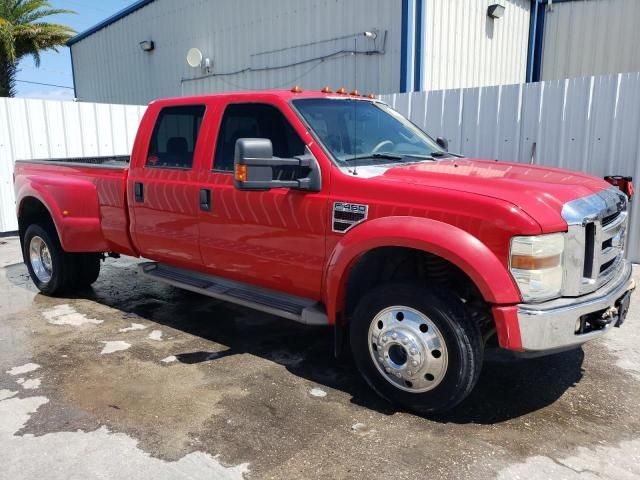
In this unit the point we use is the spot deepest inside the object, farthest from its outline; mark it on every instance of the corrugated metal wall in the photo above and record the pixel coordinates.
(465, 48)
(111, 67)
(462, 47)
(591, 37)
(586, 124)
(45, 129)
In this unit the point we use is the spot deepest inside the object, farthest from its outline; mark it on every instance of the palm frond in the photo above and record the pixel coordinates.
(22, 33)
(35, 55)
(37, 15)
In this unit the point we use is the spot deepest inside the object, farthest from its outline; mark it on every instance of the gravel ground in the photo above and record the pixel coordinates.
(134, 379)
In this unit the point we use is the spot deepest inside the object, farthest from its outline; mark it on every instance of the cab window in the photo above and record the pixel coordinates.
(255, 120)
(175, 136)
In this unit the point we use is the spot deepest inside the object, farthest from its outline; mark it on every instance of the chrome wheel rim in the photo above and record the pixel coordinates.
(408, 349)
(40, 259)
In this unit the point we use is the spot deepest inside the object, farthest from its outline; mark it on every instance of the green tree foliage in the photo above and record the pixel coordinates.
(23, 32)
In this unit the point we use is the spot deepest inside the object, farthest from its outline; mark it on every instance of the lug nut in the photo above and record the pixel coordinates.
(387, 369)
(414, 363)
(394, 336)
(404, 341)
(413, 351)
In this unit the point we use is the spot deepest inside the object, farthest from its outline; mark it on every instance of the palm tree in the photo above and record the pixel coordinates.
(22, 33)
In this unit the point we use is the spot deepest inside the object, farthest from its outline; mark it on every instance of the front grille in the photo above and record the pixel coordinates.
(589, 251)
(595, 240)
(610, 218)
(611, 241)
(605, 266)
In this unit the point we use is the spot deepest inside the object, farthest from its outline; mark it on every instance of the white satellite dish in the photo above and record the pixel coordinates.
(194, 57)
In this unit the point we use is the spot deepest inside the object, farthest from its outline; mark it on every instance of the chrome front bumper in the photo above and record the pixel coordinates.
(552, 325)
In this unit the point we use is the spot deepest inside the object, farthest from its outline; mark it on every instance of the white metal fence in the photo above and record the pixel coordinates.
(40, 129)
(588, 124)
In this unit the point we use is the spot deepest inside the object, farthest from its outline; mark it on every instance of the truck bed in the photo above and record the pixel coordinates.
(90, 196)
(116, 162)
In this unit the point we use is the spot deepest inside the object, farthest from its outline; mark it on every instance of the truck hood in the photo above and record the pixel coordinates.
(540, 191)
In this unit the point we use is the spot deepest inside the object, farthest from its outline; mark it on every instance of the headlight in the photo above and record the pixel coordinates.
(536, 264)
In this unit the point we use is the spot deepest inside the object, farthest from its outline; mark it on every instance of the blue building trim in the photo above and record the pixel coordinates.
(419, 41)
(536, 37)
(73, 74)
(536, 65)
(112, 19)
(404, 40)
(533, 22)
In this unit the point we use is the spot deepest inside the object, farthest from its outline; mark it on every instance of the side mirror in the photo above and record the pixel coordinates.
(255, 167)
(443, 143)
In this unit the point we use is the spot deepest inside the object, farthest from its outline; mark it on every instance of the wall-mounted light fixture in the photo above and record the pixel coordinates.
(495, 10)
(147, 45)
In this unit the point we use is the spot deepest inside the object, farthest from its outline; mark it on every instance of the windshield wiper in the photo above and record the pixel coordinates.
(397, 157)
(381, 156)
(422, 157)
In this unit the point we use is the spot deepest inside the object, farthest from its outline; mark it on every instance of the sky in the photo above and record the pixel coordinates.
(55, 68)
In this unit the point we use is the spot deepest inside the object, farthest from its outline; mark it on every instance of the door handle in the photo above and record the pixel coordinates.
(205, 199)
(139, 191)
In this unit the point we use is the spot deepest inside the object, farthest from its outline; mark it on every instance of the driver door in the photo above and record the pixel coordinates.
(276, 238)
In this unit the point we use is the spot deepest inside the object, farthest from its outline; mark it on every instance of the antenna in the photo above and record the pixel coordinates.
(355, 103)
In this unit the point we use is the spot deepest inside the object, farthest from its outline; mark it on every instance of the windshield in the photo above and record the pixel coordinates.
(368, 131)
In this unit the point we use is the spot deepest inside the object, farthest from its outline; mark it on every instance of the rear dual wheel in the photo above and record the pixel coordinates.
(417, 347)
(53, 270)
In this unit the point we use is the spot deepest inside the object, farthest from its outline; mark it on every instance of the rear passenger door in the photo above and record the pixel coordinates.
(164, 193)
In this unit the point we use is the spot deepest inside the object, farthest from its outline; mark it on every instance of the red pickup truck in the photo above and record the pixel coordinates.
(333, 209)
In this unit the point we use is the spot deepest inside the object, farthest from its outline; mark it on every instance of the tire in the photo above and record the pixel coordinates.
(435, 358)
(52, 270)
(88, 265)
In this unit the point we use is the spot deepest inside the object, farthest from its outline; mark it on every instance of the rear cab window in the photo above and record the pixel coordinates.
(174, 138)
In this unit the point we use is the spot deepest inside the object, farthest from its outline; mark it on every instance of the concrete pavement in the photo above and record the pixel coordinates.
(134, 379)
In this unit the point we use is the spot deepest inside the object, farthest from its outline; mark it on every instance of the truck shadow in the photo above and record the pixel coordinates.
(510, 389)
(506, 389)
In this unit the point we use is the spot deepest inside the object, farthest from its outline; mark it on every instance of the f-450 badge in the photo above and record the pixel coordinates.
(348, 215)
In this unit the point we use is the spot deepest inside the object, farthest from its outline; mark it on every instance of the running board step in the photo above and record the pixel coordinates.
(294, 308)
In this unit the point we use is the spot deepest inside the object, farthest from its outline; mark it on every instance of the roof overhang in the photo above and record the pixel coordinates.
(108, 21)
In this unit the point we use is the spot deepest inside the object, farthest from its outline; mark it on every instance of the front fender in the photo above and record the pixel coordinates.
(451, 243)
(73, 206)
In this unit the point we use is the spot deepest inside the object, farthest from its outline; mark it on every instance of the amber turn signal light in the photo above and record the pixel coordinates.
(241, 173)
(529, 262)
